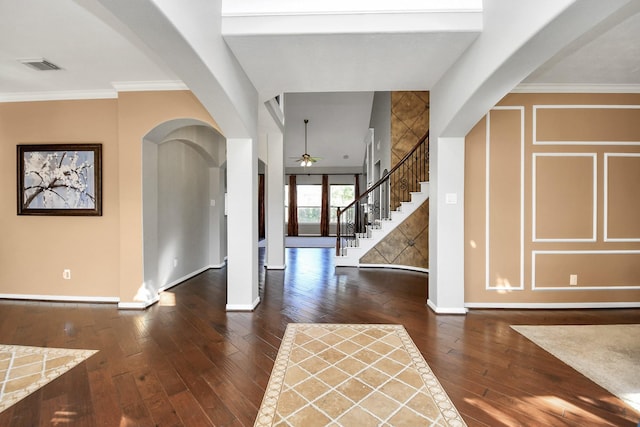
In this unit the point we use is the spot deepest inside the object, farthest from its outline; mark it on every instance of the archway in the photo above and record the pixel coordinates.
(184, 227)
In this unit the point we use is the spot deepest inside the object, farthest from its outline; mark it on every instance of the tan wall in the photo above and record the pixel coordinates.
(34, 249)
(553, 190)
(104, 253)
(138, 113)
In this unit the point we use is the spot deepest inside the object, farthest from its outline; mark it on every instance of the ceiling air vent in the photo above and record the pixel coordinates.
(40, 64)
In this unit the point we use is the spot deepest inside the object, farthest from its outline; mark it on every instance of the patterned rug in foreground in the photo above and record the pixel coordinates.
(24, 370)
(353, 375)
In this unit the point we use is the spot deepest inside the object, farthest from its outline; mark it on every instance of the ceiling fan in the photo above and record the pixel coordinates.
(306, 160)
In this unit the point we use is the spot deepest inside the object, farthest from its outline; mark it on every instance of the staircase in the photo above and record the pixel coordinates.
(383, 207)
(357, 247)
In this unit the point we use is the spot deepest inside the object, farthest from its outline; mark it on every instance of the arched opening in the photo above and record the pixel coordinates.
(184, 226)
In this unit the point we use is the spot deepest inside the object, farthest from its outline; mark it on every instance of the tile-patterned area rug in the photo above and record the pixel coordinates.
(24, 370)
(353, 375)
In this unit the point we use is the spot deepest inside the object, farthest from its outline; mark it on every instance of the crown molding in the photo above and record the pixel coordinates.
(58, 95)
(158, 85)
(575, 88)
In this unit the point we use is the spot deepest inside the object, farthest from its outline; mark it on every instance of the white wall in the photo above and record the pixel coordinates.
(183, 212)
(218, 220)
(183, 206)
(381, 124)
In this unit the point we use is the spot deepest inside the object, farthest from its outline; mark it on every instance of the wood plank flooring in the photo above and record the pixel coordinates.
(187, 362)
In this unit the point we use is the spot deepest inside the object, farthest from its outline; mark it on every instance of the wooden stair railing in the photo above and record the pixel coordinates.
(404, 178)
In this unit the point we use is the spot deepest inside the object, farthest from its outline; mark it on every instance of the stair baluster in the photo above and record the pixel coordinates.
(357, 219)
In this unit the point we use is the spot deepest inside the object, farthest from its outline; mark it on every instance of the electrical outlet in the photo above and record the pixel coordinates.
(175, 262)
(66, 274)
(573, 279)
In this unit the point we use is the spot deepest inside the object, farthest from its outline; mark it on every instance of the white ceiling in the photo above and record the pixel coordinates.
(338, 124)
(607, 55)
(97, 54)
(92, 55)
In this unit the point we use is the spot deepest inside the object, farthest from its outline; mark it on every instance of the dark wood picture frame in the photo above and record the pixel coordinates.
(60, 179)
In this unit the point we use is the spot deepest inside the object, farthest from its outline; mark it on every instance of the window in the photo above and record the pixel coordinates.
(339, 197)
(310, 202)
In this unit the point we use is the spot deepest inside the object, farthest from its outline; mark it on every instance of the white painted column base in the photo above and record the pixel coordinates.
(446, 310)
(243, 307)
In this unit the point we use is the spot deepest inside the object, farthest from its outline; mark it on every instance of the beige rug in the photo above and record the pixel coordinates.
(24, 370)
(353, 375)
(609, 355)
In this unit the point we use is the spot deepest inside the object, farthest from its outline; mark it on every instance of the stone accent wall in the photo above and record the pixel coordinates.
(407, 245)
(409, 122)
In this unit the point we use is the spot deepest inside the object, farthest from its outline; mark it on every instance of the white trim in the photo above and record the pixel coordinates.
(183, 279)
(487, 204)
(138, 305)
(395, 266)
(142, 305)
(157, 85)
(552, 305)
(578, 288)
(575, 88)
(218, 266)
(70, 95)
(488, 286)
(606, 199)
(580, 106)
(342, 22)
(243, 307)
(594, 227)
(75, 298)
(447, 310)
(275, 267)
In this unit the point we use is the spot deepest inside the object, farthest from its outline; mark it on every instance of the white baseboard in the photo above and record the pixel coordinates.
(183, 279)
(61, 298)
(397, 267)
(275, 267)
(552, 305)
(218, 266)
(138, 305)
(243, 307)
(446, 310)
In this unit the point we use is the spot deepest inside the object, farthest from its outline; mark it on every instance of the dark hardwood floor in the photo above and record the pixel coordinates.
(185, 361)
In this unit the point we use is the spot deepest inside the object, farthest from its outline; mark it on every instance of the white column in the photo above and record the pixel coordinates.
(275, 202)
(242, 224)
(446, 220)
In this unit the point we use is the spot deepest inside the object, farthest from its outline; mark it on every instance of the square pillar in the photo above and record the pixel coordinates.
(446, 226)
(275, 202)
(242, 224)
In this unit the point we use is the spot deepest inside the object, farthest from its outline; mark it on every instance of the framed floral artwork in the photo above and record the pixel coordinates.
(60, 179)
